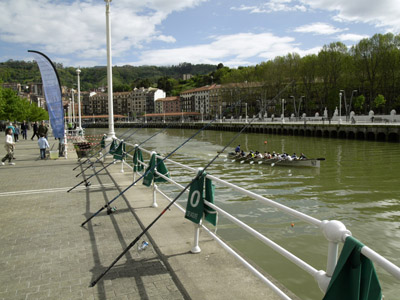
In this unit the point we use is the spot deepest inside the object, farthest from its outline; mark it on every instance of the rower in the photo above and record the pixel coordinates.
(237, 149)
(302, 156)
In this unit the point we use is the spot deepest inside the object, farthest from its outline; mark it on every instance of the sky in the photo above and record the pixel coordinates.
(169, 32)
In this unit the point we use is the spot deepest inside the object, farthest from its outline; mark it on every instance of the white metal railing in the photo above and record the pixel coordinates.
(334, 231)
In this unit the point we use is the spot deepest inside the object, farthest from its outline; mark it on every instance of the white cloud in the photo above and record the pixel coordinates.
(382, 13)
(351, 37)
(272, 6)
(318, 28)
(62, 27)
(233, 50)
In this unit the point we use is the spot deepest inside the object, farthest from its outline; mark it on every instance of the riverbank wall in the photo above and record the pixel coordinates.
(383, 132)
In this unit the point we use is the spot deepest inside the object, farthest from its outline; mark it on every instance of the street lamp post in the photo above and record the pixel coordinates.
(283, 110)
(340, 108)
(111, 133)
(73, 106)
(79, 100)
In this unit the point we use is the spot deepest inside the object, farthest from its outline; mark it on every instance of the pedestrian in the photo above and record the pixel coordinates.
(24, 128)
(43, 145)
(16, 133)
(43, 129)
(9, 146)
(35, 131)
(12, 128)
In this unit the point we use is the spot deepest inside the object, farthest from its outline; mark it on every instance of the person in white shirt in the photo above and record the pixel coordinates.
(9, 146)
(43, 144)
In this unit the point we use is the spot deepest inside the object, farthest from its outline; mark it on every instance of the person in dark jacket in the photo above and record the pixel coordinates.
(43, 130)
(35, 130)
(24, 128)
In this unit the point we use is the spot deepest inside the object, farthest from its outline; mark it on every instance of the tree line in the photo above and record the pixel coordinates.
(369, 71)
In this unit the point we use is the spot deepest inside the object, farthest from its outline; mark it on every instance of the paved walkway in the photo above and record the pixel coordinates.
(45, 253)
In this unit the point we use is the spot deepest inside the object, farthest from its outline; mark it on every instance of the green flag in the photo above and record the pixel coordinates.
(159, 166)
(113, 146)
(137, 157)
(119, 153)
(209, 213)
(162, 169)
(354, 276)
(195, 203)
(103, 142)
(148, 178)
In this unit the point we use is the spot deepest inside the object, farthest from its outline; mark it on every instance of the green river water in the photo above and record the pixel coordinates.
(358, 184)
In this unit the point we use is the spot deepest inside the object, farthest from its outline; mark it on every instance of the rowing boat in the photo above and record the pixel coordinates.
(309, 162)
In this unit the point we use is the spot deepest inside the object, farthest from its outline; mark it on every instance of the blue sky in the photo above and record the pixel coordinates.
(167, 32)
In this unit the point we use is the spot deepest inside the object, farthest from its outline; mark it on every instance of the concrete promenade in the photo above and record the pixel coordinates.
(46, 254)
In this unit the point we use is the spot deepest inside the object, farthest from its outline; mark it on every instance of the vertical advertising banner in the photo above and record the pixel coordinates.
(52, 92)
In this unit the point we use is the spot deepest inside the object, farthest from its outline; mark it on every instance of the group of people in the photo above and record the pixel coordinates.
(268, 155)
(12, 137)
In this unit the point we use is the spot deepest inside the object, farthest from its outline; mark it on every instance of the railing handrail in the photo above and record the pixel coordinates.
(339, 234)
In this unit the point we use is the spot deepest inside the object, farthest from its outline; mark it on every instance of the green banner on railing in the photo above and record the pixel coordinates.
(354, 276)
(195, 207)
(137, 157)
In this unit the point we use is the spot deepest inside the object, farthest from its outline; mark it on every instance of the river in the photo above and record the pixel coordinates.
(358, 184)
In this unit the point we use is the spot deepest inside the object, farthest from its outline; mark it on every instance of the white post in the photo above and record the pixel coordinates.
(283, 110)
(111, 133)
(154, 195)
(340, 108)
(73, 106)
(220, 114)
(196, 247)
(79, 99)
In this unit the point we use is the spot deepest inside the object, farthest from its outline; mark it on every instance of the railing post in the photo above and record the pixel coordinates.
(196, 247)
(154, 195)
(333, 250)
(335, 232)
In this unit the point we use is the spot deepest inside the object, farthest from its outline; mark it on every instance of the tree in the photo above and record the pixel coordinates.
(379, 102)
(359, 103)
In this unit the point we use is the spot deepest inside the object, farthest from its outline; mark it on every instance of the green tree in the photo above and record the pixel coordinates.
(379, 102)
(359, 103)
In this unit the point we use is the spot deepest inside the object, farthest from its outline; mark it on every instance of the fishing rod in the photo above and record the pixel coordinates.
(105, 167)
(92, 163)
(171, 203)
(147, 171)
(100, 150)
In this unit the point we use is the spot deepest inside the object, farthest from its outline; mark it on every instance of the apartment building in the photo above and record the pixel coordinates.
(197, 100)
(168, 105)
(134, 103)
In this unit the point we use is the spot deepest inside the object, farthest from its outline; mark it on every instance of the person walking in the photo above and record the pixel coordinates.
(35, 131)
(24, 128)
(16, 133)
(43, 145)
(12, 128)
(43, 130)
(9, 146)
